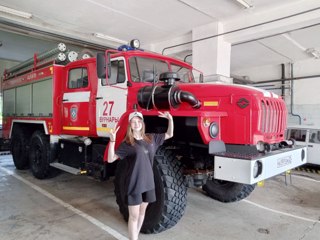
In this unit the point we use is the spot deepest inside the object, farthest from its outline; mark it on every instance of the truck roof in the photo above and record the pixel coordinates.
(140, 53)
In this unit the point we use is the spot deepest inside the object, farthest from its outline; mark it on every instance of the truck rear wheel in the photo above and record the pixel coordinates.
(19, 149)
(225, 191)
(39, 155)
(171, 193)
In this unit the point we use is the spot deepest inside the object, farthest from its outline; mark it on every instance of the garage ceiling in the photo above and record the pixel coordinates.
(269, 32)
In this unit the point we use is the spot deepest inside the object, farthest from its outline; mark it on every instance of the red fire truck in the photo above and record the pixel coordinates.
(58, 114)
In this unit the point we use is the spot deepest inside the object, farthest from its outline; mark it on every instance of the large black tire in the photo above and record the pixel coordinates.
(225, 191)
(171, 193)
(19, 149)
(39, 155)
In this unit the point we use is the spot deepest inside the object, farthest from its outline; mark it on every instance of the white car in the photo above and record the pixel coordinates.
(307, 136)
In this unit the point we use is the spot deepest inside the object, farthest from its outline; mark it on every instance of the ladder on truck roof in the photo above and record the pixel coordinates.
(59, 55)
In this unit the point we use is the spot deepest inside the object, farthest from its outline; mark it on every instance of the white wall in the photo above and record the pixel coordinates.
(306, 102)
(5, 64)
(262, 73)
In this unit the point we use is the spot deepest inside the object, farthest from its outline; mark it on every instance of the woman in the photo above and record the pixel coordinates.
(139, 150)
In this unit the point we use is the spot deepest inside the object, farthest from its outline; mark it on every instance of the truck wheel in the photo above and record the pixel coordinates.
(19, 149)
(39, 155)
(225, 191)
(171, 193)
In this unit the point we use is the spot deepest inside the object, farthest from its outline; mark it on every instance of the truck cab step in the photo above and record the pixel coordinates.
(66, 168)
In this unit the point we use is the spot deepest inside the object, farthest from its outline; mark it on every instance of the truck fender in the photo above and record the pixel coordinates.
(19, 122)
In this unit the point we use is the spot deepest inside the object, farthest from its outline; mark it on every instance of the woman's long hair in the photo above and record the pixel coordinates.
(129, 136)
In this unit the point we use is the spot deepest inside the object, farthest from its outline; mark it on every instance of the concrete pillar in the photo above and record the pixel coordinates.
(211, 56)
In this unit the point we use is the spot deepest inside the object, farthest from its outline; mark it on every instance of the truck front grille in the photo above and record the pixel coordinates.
(273, 116)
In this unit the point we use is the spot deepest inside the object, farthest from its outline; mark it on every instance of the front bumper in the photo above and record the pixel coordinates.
(252, 169)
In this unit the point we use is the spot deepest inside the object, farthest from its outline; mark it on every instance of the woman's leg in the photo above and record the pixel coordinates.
(142, 213)
(133, 222)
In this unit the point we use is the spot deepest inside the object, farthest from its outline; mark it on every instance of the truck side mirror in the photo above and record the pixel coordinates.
(109, 64)
(201, 78)
(101, 65)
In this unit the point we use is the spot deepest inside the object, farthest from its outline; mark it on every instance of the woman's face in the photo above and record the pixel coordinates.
(136, 124)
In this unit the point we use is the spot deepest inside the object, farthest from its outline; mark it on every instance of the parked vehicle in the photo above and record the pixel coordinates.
(308, 136)
(59, 113)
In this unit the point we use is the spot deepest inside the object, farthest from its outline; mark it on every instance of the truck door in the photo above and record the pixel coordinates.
(75, 102)
(111, 99)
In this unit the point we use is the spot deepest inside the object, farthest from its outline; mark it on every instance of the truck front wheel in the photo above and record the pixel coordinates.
(39, 155)
(171, 193)
(225, 191)
(19, 149)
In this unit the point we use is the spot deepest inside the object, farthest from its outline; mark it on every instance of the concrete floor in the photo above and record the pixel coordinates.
(75, 207)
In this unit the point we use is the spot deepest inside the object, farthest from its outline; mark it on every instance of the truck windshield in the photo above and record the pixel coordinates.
(148, 69)
(185, 74)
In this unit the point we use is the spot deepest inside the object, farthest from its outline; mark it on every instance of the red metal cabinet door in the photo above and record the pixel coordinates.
(76, 103)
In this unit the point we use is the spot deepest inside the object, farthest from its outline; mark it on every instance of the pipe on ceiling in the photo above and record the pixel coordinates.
(241, 29)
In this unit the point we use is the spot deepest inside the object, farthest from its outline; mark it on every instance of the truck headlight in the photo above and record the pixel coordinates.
(257, 169)
(214, 130)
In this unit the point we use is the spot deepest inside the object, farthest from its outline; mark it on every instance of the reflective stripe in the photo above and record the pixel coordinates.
(103, 129)
(75, 128)
(211, 104)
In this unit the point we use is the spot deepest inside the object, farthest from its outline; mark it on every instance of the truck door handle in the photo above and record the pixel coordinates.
(65, 100)
(98, 98)
(310, 145)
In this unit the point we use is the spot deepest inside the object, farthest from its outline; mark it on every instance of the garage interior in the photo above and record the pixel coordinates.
(269, 44)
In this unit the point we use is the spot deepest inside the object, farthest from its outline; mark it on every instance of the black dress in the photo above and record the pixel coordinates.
(140, 178)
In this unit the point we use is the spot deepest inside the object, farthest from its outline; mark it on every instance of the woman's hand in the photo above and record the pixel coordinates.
(166, 115)
(111, 153)
(169, 133)
(113, 133)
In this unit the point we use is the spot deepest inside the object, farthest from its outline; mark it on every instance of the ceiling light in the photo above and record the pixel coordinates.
(245, 3)
(15, 12)
(313, 52)
(112, 39)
